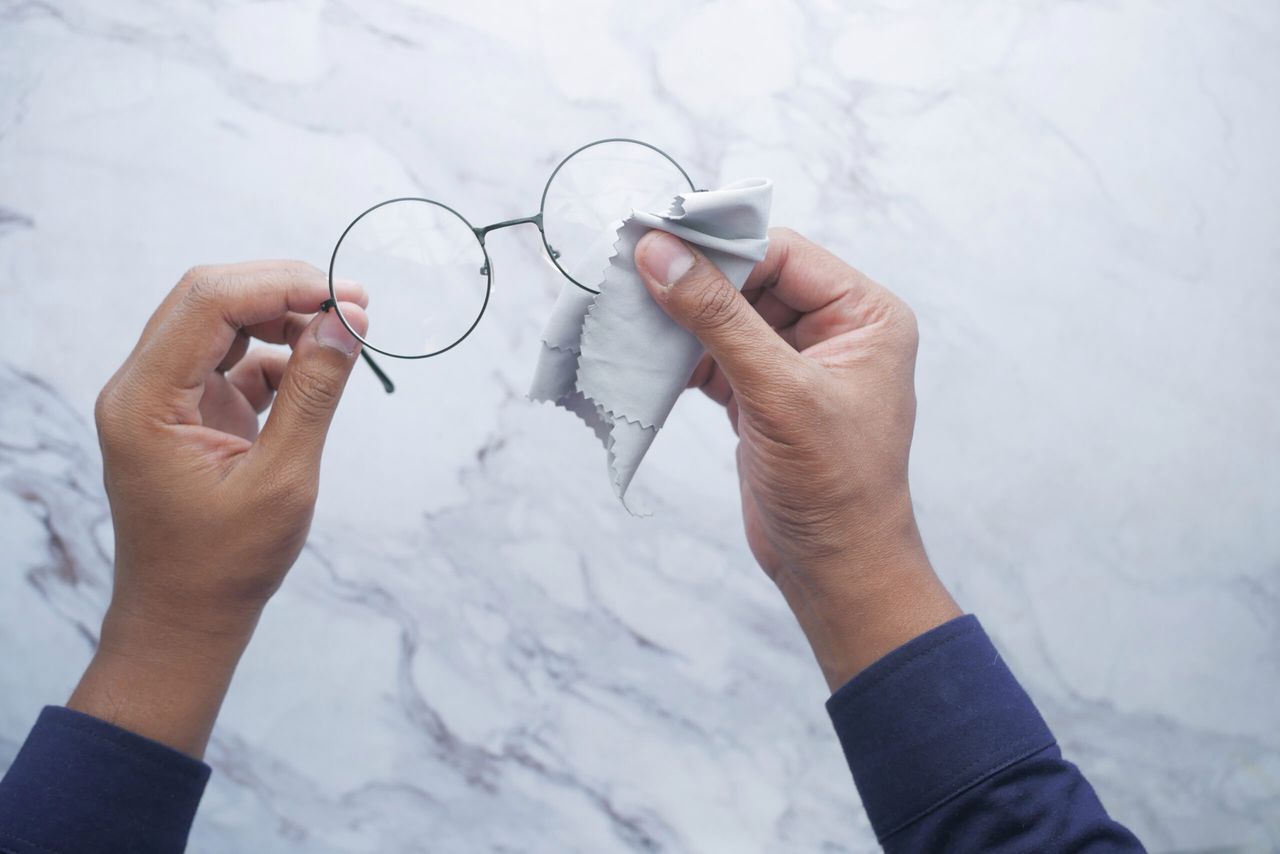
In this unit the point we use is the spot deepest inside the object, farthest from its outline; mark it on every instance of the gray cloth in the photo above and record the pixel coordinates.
(615, 359)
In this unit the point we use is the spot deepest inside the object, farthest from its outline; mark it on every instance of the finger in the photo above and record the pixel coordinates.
(775, 312)
(222, 408)
(790, 335)
(828, 295)
(346, 289)
(698, 297)
(280, 330)
(782, 317)
(258, 376)
(712, 382)
(702, 372)
(309, 391)
(806, 276)
(197, 324)
(238, 348)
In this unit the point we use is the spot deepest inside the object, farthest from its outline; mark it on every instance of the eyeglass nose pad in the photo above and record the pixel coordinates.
(554, 252)
(484, 271)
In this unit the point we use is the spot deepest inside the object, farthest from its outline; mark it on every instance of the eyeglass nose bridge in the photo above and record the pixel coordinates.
(536, 220)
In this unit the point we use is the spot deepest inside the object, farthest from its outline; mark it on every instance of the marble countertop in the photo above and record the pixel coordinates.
(480, 650)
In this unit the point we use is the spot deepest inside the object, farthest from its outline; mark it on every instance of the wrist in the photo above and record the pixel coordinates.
(859, 604)
(159, 679)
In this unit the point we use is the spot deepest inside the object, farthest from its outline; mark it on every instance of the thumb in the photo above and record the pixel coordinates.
(752, 355)
(323, 356)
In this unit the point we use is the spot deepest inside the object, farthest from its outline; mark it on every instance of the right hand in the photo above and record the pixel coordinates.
(815, 364)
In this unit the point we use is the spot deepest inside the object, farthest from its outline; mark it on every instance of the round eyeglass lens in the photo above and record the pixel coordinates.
(424, 271)
(592, 191)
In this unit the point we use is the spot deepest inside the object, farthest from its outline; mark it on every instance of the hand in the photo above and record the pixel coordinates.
(814, 363)
(209, 514)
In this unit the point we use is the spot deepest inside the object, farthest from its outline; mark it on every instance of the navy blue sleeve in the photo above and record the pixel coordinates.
(82, 786)
(949, 754)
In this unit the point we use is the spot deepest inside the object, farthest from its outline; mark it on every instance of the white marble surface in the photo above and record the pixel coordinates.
(480, 651)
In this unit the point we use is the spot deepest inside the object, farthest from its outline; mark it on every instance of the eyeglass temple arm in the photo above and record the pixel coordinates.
(387, 385)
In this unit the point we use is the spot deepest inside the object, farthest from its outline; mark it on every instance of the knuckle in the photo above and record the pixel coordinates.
(789, 402)
(799, 394)
(805, 384)
(282, 273)
(282, 503)
(312, 391)
(289, 491)
(906, 324)
(784, 234)
(715, 305)
(283, 276)
(104, 408)
(116, 416)
(202, 284)
(300, 270)
(196, 277)
(904, 316)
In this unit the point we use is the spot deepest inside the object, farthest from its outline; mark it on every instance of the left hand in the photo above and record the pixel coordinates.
(209, 513)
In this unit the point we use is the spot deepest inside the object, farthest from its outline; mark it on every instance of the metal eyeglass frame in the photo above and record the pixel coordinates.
(487, 270)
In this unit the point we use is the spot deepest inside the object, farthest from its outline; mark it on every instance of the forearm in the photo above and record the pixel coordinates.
(949, 753)
(858, 604)
(119, 769)
(161, 680)
(82, 786)
(947, 750)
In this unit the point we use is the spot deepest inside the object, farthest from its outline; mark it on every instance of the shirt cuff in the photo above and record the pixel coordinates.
(80, 784)
(933, 718)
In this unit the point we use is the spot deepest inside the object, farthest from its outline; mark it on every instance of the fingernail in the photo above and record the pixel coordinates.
(333, 334)
(665, 258)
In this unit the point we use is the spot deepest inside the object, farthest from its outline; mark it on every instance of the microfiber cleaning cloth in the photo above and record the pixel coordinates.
(615, 359)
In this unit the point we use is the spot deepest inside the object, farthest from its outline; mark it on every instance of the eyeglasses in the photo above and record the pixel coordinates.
(427, 270)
